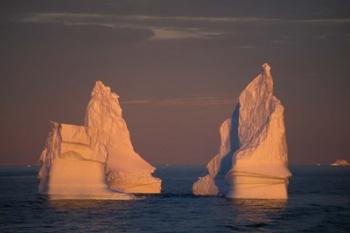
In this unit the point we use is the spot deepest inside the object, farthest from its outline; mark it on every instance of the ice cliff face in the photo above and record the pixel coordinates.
(126, 170)
(101, 149)
(69, 168)
(109, 133)
(252, 161)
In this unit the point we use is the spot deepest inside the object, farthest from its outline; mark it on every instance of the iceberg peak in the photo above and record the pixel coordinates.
(266, 69)
(126, 170)
(100, 89)
(254, 161)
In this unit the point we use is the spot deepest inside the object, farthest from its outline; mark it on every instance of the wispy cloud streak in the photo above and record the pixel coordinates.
(69, 17)
(122, 21)
(166, 27)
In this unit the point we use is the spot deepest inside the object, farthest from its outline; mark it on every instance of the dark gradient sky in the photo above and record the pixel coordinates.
(178, 67)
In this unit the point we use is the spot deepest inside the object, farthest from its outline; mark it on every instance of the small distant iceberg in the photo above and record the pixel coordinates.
(97, 160)
(252, 162)
(340, 163)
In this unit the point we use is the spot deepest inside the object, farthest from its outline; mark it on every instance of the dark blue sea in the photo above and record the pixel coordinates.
(319, 201)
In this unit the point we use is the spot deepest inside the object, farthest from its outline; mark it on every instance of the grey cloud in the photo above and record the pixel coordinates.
(68, 17)
(166, 27)
(161, 33)
(121, 21)
(236, 19)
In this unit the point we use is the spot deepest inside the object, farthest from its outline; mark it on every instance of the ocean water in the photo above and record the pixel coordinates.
(319, 201)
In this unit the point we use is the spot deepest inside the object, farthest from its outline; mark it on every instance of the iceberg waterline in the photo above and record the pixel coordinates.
(252, 161)
(97, 160)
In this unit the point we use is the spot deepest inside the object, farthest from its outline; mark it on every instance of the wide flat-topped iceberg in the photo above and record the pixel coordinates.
(70, 169)
(252, 161)
(95, 161)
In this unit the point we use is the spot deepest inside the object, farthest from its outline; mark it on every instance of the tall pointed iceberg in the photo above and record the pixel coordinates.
(97, 160)
(126, 170)
(252, 161)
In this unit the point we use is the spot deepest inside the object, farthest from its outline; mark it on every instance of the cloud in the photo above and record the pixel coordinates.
(189, 101)
(167, 27)
(121, 21)
(236, 19)
(68, 19)
(160, 33)
(198, 19)
(109, 19)
(325, 21)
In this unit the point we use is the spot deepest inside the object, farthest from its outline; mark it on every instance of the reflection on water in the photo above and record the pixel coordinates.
(91, 204)
(85, 204)
(257, 212)
(318, 202)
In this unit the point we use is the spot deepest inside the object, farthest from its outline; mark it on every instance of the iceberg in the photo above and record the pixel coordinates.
(97, 160)
(252, 162)
(340, 163)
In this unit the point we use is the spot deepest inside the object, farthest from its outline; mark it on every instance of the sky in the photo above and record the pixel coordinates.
(178, 67)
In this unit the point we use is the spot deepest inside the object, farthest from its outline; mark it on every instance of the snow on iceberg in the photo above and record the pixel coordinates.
(252, 161)
(95, 161)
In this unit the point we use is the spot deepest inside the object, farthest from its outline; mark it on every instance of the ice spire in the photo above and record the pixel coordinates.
(257, 156)
(104, 122)
(110, 138)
